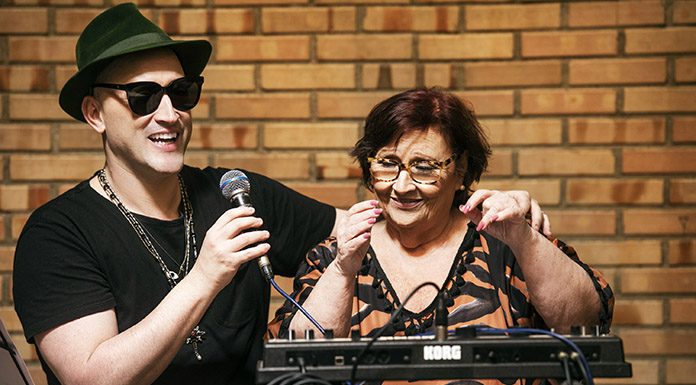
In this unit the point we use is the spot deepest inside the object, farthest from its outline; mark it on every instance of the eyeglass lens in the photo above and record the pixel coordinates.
(144, 98)
(388, 170)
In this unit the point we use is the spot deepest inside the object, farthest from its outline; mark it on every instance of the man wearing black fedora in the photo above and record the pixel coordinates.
(138, 275)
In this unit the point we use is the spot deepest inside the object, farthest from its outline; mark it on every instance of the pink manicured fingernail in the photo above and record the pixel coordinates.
(374, 203)
(366, 235)
(479, 227)
(371, 221)
(377, 211)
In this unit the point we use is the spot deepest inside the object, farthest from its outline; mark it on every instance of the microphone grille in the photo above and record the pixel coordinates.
(233, 183)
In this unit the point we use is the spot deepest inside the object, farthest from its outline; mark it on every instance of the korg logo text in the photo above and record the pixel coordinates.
(442, 352)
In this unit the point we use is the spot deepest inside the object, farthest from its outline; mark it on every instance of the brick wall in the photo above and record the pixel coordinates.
(591, 106)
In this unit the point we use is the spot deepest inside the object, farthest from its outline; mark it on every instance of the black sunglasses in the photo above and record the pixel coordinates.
(145, 97)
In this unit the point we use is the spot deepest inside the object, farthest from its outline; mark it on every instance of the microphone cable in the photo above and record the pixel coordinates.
(297, 305)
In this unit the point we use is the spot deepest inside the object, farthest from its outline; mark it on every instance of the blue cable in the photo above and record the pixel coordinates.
(581, 356)
(299, 307)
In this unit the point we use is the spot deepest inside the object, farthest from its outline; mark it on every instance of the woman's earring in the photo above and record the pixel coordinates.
(462, 188)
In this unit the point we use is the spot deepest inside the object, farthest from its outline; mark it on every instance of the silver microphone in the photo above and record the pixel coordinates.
(235, 187)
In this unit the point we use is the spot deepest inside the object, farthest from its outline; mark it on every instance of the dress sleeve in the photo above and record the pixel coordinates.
(519, 297)
(310, 271)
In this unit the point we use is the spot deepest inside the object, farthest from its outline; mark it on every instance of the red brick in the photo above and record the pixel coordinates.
(499, 164)
(408, 19)
(681, 252)
(62, 167)
(440, 75)
(229, 78)
(645, 372)
(685, 69)
(527, 73)
(565, 162)
(684, 12)
(522, 131)
(638, 312)
(202, 109)
(609, 14)
(658, 160)
(294, 20)
(618, 252)
(263, 106)
(52, 49)
(659, 221)
(24, 78)
(618, 71)
(23, 20)
(684, 129)
(545, 191)
(341, 195)
(307, 76)
(275, 165)
(616, 130)
(466, 46)
(388, 76)
(78, 137)
(36, 107)
(489, 103)
(197, 159)
(73, 21)
(681, 371)
(332, 165)
(568, 101)
(361, 1)
(63, 73)
(682, 191)
(612, 191)
(203, 21)
(523, 16)
(57, 2)
(209, 136)
(364, 47)
(582, 222)
(23, 197)
(654, 40)
(663, 342)
(262, 48)
(165, 3)
(10, 319)
(348, 104)
(259, 2)
(25, 137)
(323, 135)
(660, 99)
(575, 43)
(681, 311)
(658, 280)
(6, 258)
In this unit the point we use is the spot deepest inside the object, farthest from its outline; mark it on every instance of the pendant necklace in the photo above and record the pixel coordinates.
(197, 335)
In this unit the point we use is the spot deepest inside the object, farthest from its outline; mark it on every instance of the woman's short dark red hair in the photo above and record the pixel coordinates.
(420, 109)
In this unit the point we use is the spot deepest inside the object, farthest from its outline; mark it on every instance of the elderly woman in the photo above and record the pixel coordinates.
(421, 153)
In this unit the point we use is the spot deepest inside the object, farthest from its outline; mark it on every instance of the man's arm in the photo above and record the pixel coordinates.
(90, 351)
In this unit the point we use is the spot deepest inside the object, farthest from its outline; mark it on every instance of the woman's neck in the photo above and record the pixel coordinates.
(152, 196)
(419, 239)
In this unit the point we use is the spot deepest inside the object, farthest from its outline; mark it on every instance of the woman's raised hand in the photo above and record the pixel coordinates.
(504, 212)
(353, 235)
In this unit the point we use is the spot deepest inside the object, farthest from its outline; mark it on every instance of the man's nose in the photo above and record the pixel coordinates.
(165, 112)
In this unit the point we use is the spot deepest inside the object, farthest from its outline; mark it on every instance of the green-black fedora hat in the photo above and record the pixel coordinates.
(115, 32)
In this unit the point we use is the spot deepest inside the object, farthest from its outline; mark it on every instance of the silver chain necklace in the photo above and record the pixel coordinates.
(197, 335)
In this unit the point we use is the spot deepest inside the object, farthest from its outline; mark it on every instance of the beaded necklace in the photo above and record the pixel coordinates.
(197, 335)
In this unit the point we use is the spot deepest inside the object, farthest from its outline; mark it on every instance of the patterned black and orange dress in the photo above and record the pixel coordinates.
(485, 286)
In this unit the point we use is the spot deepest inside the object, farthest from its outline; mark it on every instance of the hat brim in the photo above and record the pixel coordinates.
(193, 56)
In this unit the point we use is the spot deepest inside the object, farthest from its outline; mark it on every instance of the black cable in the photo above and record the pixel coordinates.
(297, 305)
(585, 375)
(566, 367)
(381, 330)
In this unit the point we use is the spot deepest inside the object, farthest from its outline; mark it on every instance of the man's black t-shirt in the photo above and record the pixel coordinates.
(78, 255)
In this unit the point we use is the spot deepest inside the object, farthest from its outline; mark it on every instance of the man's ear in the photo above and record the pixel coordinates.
(91, 110)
